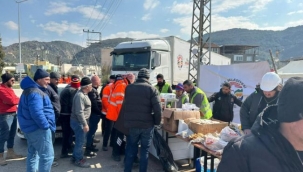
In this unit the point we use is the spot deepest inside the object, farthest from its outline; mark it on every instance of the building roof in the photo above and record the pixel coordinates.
(213, 45)
(230, 49)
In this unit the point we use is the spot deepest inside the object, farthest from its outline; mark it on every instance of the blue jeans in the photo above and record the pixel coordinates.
(80, 139)
(135, 135)
(93, 126)
(40, 149)
(8, 127)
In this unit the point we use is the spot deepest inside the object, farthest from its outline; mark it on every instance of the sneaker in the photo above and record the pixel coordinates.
(104, 148)
(116, 158)
(93, 149)
(96, 141)
(89, 153)
(55, 164)
(65, 156)
(82, 163)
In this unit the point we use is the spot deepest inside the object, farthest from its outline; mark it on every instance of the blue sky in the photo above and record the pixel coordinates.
(65, 20)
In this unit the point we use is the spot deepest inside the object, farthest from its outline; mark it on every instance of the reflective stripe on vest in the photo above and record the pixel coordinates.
(205, 107)
(164, 88)
(183, 98)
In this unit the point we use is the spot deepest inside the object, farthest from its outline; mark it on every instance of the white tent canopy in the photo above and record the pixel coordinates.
(293, 68)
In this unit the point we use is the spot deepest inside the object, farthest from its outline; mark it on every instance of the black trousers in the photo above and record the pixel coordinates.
(107, 131)
(119, 143)
(67, 134)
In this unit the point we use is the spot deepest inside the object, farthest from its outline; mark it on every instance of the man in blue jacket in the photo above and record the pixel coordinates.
(37, 120)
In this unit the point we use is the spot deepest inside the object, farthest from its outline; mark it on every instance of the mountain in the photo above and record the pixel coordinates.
(45, 50)
(287, 42)
(92, 54)
(68, 52)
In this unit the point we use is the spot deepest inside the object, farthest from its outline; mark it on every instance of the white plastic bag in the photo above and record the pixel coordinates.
(214, 143)
(227, 134)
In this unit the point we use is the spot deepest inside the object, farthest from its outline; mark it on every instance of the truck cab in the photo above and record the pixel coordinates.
(152, 54)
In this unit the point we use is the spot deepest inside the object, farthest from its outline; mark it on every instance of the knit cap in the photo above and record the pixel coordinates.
(179, 87)
(143, 73)
(290, 103)
(6, 77)
(40, 73)
(85, 81)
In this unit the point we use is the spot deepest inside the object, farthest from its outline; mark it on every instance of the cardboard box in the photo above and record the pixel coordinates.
(197, 127)
(171, 118)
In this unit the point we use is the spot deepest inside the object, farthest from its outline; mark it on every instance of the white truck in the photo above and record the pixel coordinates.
(168, 56)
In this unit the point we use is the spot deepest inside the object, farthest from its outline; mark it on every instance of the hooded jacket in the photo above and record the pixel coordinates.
(252, 106)
(266, 149)
(35, 110)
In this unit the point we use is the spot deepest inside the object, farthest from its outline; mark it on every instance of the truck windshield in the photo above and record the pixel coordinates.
(131, 61)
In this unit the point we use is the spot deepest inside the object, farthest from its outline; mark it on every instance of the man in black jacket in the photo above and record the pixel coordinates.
(54, 81)
(66, 100)
(95, 116)
(141, 110)
(277, 145)
(254, 104)
(223, 108)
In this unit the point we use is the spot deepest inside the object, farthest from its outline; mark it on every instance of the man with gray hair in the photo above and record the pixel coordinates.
(81, 110)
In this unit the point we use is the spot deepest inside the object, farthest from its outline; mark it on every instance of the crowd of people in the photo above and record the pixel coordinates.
(130, 107)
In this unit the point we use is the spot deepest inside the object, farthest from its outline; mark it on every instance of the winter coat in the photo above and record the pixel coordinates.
(251, 107)
(95, 101)
(115, 100)
(66, 100)
(141, 107)
(105, 93)
(224, 102)
(263, 150)
(55, 99)
(8, 100)
(54, 87)
(35, 110)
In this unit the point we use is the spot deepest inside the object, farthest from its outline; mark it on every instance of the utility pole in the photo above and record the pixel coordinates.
(200, 45)
(88, 40)
(19, 28)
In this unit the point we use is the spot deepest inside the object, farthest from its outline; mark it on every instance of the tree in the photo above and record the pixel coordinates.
(2, 54)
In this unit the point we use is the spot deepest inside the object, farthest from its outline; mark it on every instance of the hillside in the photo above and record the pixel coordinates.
(288, 42)
(92, 54)
(30, 50)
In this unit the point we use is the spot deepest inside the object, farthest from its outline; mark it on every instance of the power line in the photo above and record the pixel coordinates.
(91, 13)
(99, 14)
(111, 16)
(108, 9)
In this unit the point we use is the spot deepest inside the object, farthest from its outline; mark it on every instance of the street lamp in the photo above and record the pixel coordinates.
(18, 2)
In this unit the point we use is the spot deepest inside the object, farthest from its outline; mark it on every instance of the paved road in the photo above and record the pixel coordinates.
(102, 162)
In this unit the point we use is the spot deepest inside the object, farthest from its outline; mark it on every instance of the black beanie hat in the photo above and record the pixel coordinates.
(6, 77)
(119, 77)
(290, 104)
(85, 81)
(112, 77)
(143, 73)
(40, 73)
(54, 75)
(160, 76)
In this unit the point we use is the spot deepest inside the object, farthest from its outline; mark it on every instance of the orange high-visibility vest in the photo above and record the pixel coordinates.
(105, 95)
(115, 100)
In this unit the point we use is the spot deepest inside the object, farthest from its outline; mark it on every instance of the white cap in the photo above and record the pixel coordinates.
(270, 81)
